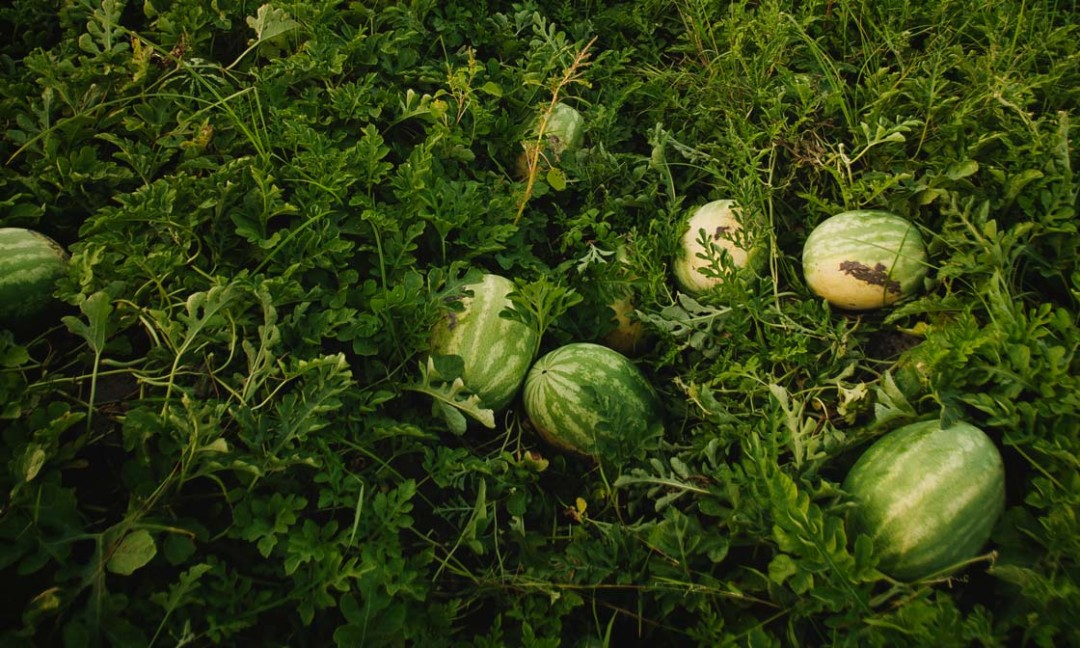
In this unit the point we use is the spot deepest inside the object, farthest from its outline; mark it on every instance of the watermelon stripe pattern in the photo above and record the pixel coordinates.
(928, 497)
(497, 351)
(30, 264)
(864, 259)
(591, 400)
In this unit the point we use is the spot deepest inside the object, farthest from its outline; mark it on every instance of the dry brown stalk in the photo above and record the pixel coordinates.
(534, 149)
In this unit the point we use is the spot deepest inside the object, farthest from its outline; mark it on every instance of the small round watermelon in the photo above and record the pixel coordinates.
(861, 260)
(927, 496)
(591, 400)
(628, 335)
(497, 351)
(720, 220)
(565, 130)
(30, 264)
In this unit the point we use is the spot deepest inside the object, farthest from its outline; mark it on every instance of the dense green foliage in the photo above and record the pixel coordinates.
(230, 433)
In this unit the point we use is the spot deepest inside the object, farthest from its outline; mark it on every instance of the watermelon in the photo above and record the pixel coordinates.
(563, 133)
(565, 129)
(591, 400)
(927, 496)
(496, 351)
(30, 264)
(720, 221)
(628, 336)
(861, 260)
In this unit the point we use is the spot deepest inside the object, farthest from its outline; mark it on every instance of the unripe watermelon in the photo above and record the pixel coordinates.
(563, 133)
(860, 260)
(30, 264)
(591, 400)
(565, 129)
(927, 496)
(496, 351)
(720, 219)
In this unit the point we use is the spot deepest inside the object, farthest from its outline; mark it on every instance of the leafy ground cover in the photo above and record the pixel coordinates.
(227, 431)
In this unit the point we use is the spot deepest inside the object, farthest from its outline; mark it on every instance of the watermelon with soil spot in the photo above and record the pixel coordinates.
(865, 259)
(720, 223)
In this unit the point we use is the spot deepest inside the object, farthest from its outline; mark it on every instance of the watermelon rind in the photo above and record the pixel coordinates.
(927, 496)
(590, 400)
(496, 351)
(30, 264)
(864, 259)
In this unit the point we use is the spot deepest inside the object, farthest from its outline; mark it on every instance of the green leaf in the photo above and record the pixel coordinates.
(135, 550)
(180, 591)
(32, 461)
(452, 398)
(781, 568)
(556, 178)
(890, 404)
(537, 304)
(269, 22)
(492, 88)
(177, 548)
(963, 169)
(96, 309)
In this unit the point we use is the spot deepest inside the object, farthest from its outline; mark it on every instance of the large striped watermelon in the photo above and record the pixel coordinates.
(591, 400)
(859, 260)
(497, 351)
(927, 496)
(30, 264)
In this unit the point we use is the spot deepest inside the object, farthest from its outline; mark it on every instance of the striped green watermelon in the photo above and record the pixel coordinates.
(927, 496)
(30, 264)
(496, 351)
(860, 260)
(565, 129)
(591, 400)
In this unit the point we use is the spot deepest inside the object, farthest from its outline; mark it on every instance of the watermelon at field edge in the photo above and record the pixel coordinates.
(927, 496)
(591, 400)
(865, 259)
(497, 351)
(30, 264)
